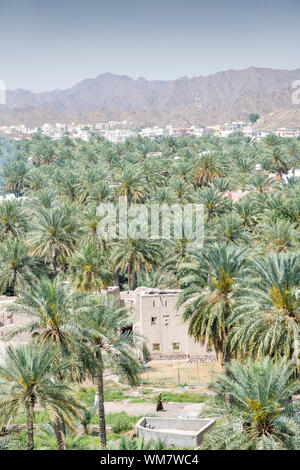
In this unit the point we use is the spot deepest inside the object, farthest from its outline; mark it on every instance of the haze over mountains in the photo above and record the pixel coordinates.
(213, 99)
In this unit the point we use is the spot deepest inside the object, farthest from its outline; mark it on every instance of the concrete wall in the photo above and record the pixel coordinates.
(179, 433)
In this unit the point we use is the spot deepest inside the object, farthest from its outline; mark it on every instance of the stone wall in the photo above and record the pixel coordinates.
(180, 433)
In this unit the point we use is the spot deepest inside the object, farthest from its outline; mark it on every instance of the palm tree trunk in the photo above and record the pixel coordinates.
(221, 358)
(128, 269)
(227, 354)
(117, 278)
(134, 280)
(219, 352)
(89, 280)
(60, 422)
(54, 264)
(224, 357)
(14, 282)
(101, 412)
(60, 433)
(29, 422)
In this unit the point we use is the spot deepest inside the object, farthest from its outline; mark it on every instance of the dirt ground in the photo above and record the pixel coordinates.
(171, 410)
(166, 373)
(163, 376)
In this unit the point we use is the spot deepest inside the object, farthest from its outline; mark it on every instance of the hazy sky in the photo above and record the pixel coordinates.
(54, 44)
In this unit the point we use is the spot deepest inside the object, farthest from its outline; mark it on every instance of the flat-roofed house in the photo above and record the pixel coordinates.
(160, 323)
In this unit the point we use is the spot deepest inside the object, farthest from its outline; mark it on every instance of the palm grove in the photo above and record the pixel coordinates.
(240, 293)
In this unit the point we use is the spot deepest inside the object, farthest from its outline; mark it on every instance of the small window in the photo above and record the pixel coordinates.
(176, 346)
(153, 303)
(156, 347)
(153, 320)
(166, 303)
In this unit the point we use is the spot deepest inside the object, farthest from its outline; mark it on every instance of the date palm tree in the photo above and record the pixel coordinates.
(106, 330)
(74, 441)
(271, 140)
(90, 220)
(10, 443)
(13, 219)
(110, 156)
(131, 255)
(14, 177)
(266, 316)
(142, 149)
(129, 184)
(154, 175)
(277, 236)
(209, 281)
(293, 149)
(17, 267)
(181, 190)
(164, 196)
(248, 210)
(232, 229)
(52, 309)
(214, 203)
(89, 269)
(27, 380)
(53, 234)
(207, 168)
(70, 188)
(183, 167)
(275, 160)
(99, 192)
(259, 415)
(43, 199)
(43, 152)
(261, 182)
(35, 181)
(171, 145)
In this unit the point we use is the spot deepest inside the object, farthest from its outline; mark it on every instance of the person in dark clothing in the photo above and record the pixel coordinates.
(159, 406)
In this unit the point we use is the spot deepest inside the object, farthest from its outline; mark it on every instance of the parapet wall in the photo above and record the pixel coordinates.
(174, 432)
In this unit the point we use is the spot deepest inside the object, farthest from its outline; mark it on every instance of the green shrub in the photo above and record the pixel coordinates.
(121, 422)
(87, 395)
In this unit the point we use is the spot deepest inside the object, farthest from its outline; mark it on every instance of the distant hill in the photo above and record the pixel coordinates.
(280, 118)
(200, 100)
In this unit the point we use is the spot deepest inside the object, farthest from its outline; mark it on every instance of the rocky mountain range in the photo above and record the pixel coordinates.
(216, 98)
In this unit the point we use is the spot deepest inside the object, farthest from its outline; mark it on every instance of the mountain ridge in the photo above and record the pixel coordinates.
(205, 98)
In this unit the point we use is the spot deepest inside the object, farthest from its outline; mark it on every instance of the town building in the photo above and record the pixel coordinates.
(157, 319)
(287, 132)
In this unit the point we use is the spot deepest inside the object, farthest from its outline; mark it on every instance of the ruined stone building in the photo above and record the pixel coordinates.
(157, 319)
